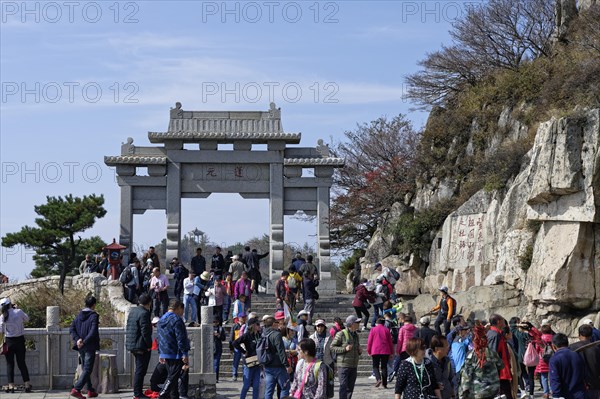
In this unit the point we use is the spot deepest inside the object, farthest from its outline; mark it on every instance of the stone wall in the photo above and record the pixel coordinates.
(104, 290)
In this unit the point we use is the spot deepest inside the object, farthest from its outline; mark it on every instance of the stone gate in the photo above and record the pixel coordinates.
(175, 172)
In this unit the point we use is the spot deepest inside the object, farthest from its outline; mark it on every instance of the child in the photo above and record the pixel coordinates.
(239, 306)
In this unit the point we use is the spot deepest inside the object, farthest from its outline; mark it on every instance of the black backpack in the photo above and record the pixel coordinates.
(263, 350)
(126, 275)
(548, 352)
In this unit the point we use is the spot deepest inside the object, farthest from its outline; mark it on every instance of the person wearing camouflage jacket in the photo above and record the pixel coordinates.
(480, 382)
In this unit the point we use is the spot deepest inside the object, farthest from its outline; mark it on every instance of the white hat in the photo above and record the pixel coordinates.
(303, 312)
(444, 289)
(425, 320)
(4, 301)
(148, 261)
(155, 320)
(235, 257)
(265, 317)
(545, 322)
(205, 276)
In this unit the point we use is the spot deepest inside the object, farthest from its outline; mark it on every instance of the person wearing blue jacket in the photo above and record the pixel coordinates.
(84, 332)
(173, 346)
(567, 370)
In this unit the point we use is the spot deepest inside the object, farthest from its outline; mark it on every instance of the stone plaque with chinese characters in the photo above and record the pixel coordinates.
(225, 172)
(467, 241)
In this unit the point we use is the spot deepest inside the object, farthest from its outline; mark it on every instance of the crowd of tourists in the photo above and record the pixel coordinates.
(288, 354)
(225, 282)
(469, 359)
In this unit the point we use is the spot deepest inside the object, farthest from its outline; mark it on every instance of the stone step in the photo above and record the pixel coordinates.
(364, 368)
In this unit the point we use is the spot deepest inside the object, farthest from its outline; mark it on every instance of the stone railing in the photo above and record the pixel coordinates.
(52, 361)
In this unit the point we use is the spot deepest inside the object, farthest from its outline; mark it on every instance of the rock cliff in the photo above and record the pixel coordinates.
(531, 249)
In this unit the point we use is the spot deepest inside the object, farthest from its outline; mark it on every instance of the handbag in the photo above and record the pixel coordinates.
(531, 357)
(298, 393)
(252, 361)
(4, 349)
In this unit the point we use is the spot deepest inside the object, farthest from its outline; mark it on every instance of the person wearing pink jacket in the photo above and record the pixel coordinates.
(407, 331)
(380, 347)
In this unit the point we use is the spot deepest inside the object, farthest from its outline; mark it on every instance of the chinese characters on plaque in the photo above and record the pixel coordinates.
(224, 172)
(468, 240)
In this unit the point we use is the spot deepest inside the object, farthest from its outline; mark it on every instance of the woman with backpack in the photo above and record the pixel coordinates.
(310, 378)
(294, 281)
(544, 349)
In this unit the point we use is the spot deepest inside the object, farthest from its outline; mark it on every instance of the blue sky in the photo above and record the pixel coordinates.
(79, 78)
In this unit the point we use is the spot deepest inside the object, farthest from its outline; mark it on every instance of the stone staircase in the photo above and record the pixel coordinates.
(327, 308)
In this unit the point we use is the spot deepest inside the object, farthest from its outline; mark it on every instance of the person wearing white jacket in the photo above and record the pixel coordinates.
(190, 291)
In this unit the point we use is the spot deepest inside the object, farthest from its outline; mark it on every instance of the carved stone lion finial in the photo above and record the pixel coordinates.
(128, 148)
(322, 148)
(274, 112)
(177, 112)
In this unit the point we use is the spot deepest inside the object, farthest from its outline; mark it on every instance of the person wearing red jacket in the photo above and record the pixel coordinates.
(380, 347)
(543, 368)
(497, 343)
(361, 298)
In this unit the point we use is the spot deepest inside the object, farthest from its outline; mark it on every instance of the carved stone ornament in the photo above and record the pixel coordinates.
(128, 148)
(322, 148)
(177, 112)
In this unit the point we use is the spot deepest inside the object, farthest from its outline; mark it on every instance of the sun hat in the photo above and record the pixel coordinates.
(205, 276)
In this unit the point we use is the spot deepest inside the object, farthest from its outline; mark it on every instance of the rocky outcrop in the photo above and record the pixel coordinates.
(384, 243)
(536, 242)
(562, 269)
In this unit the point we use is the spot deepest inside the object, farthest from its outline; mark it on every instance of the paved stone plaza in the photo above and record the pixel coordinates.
(226, 389)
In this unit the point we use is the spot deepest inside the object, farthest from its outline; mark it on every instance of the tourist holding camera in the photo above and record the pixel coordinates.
(12, 325)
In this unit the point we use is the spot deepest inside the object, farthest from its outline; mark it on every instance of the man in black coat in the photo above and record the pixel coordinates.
(590, 352)
(217, 265)
(138, 341)
(198, 263)
(86, 336)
